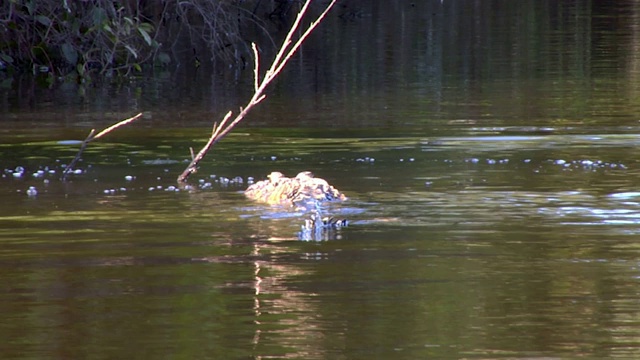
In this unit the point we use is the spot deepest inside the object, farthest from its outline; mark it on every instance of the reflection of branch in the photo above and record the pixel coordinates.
(283, 56)
(92, 137)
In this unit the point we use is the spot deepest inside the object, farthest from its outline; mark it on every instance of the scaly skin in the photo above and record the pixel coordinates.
(303, 190)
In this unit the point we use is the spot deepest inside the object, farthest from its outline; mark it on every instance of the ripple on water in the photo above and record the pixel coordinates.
(625, 195)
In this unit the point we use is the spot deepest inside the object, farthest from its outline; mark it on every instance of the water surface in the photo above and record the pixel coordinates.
(490, 157)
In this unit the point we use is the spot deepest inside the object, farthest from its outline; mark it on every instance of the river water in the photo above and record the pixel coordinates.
(489, 151)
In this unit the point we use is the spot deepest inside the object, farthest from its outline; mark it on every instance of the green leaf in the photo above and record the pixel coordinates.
(43, 20)
(145, 35)
(137, 67)
(132, 51)
(70, 54)
(98, 15)
(164, 58)
(30, 5)
(6, 58)
(148, 27)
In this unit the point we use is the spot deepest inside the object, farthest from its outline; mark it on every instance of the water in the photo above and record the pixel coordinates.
(493, 199)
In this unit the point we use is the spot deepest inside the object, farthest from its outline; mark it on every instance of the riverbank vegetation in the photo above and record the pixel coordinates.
(76, 39)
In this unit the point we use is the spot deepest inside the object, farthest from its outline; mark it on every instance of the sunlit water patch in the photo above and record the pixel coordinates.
(488, 216)
(403, 182)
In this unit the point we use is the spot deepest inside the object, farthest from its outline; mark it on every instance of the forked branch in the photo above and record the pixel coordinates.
(282, 57)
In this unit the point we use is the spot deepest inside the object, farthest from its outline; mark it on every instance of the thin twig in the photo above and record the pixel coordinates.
(92, 137)
(256, 65)
(287, 40)
(302, 39)
(73, 162)
(193, 166)
(115, 126)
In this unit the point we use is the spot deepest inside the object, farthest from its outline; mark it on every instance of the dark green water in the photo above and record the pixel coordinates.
(489, 152)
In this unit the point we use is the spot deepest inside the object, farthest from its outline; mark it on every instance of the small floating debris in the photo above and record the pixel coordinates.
(32, 191)
(586, 164)
(129, 178)
(222, 181)
(366, 159)
(18, 172)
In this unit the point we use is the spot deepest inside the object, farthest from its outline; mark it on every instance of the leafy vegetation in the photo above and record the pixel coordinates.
(57, 38)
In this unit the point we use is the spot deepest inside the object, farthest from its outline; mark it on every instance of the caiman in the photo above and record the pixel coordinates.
(305, 190)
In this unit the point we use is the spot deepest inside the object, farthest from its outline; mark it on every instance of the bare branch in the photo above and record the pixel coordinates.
(115, 126)
(287, 40)
(224, 121)
(256, 66)
(281, 58)
(215, 137)
(302, 38)
(92, 137)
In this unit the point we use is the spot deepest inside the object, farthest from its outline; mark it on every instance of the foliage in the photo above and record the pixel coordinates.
(54, 36)
(57, 37)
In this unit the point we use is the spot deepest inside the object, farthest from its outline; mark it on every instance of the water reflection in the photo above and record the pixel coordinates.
(489, 151)
(535, 63)
(527, 239)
